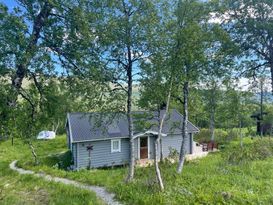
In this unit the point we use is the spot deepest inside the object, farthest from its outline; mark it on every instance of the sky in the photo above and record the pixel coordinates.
(10, 3)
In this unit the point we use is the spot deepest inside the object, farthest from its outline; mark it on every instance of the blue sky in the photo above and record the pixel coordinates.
(10, 3)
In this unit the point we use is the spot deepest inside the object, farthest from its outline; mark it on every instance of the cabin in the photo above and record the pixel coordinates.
(102, 139)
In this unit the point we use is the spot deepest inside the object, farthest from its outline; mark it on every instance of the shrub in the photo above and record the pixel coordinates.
(220, 136)
(251, 131)
(61, 161)
(203, 135)
(259, 149)
(232, 134)
(173, 154)
(65, 160)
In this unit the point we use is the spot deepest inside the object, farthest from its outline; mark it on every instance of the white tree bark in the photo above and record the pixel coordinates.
(183, 150)
(212, 105)
(55, 129)
(212, 124)
(129, 116)
(33, 153)
(158, 140)
(241, 134)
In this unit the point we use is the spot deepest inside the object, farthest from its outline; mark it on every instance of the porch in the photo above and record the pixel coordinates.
(144, 146)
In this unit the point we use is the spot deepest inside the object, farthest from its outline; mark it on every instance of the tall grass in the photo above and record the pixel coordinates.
(18, 189)
(258, 149)
(215, 179)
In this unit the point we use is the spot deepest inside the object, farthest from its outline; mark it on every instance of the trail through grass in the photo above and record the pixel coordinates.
(16, 189)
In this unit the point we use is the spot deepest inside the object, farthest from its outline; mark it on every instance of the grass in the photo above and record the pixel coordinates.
(211, 180)
(18, 189)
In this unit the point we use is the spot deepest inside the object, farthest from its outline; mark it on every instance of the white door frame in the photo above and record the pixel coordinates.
(148, 144)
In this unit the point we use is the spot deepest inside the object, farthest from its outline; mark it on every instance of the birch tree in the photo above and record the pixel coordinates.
(158, 140)
(219, 67)
(188, 56)
(250, 25)
(155, 94)
(195, 53)
(212, 99)
(36, 40)
(125, 30)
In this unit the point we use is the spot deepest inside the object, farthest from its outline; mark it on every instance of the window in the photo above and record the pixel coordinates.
(115, 145)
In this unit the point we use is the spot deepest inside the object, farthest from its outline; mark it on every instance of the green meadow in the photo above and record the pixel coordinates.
(233, 175)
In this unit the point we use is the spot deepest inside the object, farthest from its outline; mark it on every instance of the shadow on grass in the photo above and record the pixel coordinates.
(60, 161)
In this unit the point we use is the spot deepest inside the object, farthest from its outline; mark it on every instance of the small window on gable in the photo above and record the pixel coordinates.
(115, 145)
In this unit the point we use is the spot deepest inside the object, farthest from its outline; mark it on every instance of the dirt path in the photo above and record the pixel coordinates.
(107, 197)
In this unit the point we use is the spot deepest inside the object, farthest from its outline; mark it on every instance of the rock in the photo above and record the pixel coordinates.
(226, 195)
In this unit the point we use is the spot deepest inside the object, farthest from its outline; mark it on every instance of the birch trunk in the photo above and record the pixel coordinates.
(157, 170)
(129, 117)
(261, 107)
(161, 151)
(159, 141)
(28, 54)
(212, 110)
(271, 70)
(33, 153)
(184, 128)
(241, 134)
(55, 129)
(212, 124)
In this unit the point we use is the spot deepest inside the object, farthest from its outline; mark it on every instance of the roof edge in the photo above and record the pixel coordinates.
(69, 127)
(198, 130)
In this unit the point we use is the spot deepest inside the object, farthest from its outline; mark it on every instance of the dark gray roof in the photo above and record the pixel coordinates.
(96, 126)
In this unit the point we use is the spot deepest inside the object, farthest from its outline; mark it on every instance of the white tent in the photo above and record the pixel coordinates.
(47, 135)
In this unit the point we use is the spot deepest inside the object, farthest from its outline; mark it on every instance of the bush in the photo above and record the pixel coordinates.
(259, 149)
(202, 136)
(220, 136)
(232, 134)
(251, 131)
(173, 154)
(60, 161)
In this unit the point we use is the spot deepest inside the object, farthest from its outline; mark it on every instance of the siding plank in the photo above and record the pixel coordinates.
(101, 155)
(174, 142)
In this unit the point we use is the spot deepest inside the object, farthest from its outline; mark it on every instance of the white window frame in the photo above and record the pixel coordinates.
(119, 147)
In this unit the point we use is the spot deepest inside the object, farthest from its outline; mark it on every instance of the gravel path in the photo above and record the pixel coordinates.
(107, 197)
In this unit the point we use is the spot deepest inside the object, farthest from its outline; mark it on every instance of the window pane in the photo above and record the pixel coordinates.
(143, 142)
(116, 145)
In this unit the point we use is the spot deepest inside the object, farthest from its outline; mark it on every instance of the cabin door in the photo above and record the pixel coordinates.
(143, 148)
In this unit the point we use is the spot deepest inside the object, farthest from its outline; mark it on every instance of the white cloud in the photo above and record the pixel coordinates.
(249, 12)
